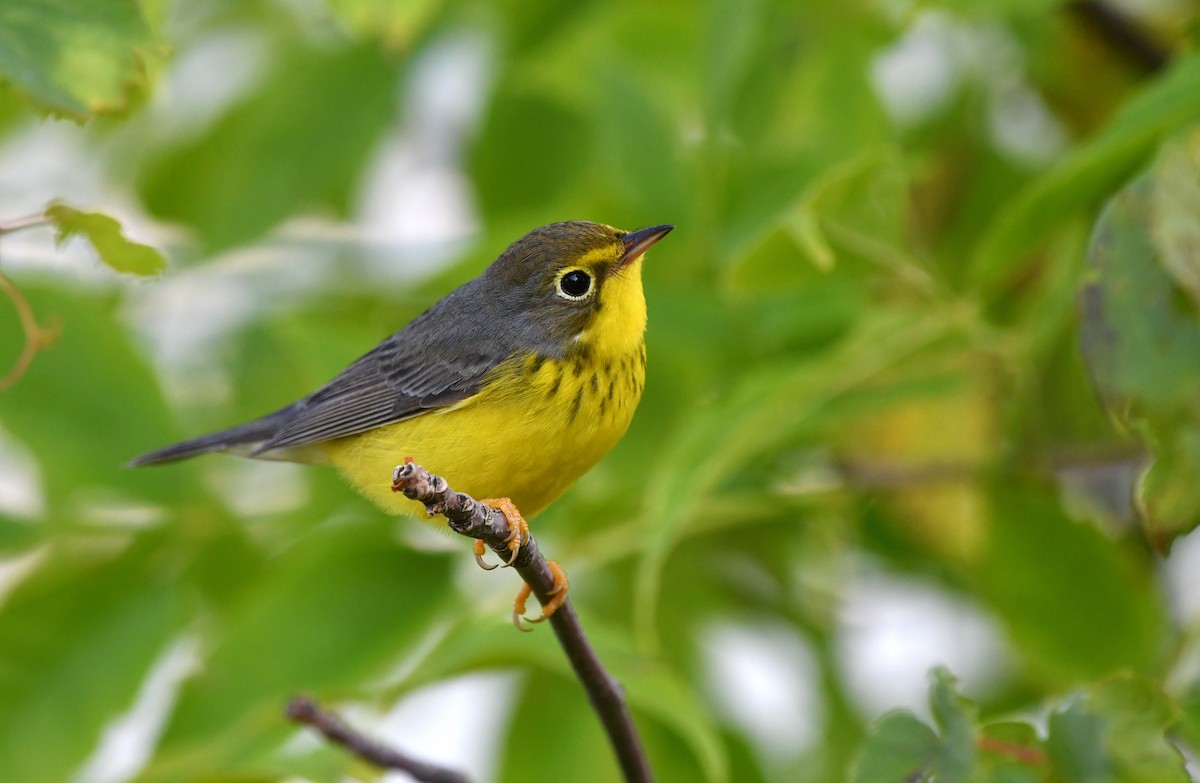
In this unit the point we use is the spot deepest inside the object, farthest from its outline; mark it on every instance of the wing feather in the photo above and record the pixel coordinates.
(430, 364)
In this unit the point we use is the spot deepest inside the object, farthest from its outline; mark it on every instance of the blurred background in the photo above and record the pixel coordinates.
(923, 391)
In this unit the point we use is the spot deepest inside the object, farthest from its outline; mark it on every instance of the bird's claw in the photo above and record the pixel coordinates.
(558, 597)
(518, 529)
(480, 548)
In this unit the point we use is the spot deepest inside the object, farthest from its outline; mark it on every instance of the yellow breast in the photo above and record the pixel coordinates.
(537, 425)
(529, 434)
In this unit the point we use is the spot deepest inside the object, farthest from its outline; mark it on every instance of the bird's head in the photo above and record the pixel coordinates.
(577, 283)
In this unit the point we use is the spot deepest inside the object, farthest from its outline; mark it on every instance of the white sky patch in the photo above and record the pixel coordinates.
(21, 495)
(251, 488)
(190, 99)
(458, 723)
(128, 740)
(918, 75)
(415, 207)
(42, 162)
(1181, 574)
(1020, 124)
(47, 161)
(922, 71)
(187, 315)
(892, 631)
(100, 507)
(764, 680)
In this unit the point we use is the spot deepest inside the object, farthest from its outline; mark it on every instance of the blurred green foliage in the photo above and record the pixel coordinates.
(931, 311)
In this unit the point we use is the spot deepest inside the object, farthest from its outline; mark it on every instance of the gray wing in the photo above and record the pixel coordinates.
(441, 358)
(432, 363)
(378, 389)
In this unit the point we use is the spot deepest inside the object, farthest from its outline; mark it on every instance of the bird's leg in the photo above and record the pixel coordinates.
(557, 597)
(518, 534)
(518, 528)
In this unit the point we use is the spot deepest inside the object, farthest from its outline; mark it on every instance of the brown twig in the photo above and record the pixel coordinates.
(36, 337)
(471, 518)
(1017, 752)
(1121, 32)
(306, 711)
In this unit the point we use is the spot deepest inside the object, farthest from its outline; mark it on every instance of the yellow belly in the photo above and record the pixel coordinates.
(531, 432)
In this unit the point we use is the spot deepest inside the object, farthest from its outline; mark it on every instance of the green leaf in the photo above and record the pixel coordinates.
(299, 141)
(578, 750)
(531, 150)
(83, 433)
(899, 749)
(955, 719)
(551, 707)
(1089, 173)
(321, 618)
(1076, 744)
(1010, 752)
(640, 146)
(1116, 731)
(1054, 581)
(1141, 336)
(1176, 211)
(1142, 716)
(757, 416)
(18, 537)
(76, 640)
(77, 58)
(668, 699)
(732, 31)
(853, 211)
(398, 25)
(105, 235)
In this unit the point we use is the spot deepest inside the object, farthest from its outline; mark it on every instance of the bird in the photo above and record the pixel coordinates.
(511, 387)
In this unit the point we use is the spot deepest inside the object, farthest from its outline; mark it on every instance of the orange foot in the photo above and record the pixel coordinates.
(557, 597)
(518, 530)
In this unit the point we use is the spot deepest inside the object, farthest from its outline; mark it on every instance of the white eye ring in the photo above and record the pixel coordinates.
(574, 284)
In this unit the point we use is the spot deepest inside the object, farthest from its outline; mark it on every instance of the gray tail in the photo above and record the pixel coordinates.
(241, 439)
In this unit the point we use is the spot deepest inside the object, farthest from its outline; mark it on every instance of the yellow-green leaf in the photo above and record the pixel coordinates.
(105, 235)
(77, 59)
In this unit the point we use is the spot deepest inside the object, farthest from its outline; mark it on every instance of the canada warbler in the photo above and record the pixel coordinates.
(512, 386)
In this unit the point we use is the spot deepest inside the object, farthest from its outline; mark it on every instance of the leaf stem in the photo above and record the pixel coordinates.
(21, 224)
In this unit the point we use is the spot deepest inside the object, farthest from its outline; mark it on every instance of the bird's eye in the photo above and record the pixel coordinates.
(575, 284)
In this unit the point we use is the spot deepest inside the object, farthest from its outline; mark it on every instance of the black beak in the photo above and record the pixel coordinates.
(638, 242)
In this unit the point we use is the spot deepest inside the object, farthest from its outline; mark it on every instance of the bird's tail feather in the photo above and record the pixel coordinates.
(242, 438)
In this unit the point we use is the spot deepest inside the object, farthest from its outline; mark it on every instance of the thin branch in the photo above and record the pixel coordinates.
(471, 518)
(36, 337)
(1121, 32)
(306, 711)
(20, 224)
